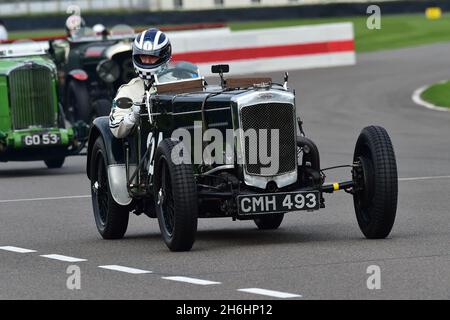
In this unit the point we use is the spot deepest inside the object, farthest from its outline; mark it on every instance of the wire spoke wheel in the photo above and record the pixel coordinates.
(166, 199)
(101, 188)
(363, 198)
(176, 199)
(375, 197)
(111, 218)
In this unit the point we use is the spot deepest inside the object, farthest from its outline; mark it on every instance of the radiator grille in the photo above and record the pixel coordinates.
(278, 116)
(31, 97)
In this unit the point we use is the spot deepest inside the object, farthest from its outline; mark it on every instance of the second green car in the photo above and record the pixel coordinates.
(32, 122)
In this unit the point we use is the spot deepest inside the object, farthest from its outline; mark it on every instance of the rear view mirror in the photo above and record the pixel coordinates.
(124, 103)
(220, 68)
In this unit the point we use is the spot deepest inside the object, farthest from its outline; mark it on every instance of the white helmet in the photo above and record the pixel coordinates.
(99, 29)
(74, 22)
(151, 42)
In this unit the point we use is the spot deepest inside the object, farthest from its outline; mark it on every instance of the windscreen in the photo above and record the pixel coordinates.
(178, 71)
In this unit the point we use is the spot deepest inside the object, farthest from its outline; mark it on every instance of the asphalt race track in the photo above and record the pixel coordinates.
(320, 255)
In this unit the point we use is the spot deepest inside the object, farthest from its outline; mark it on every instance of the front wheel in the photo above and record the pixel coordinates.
(110, 217)
(176, 199)
(375, 196)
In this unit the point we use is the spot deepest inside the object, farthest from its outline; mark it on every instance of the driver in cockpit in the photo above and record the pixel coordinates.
(151, 53)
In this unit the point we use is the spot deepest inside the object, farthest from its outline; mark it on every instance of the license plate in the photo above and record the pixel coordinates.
(41, 139)
(278, 202)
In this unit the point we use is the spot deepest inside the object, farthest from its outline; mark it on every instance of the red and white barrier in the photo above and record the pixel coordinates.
(266, 50)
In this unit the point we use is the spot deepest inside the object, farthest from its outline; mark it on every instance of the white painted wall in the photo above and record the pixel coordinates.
(207, 40)
(195, 42)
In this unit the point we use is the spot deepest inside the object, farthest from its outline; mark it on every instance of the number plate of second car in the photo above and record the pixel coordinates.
(41, 139)
(278, 202)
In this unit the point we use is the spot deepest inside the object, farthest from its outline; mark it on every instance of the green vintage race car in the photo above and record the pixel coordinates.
(32, 122)
(202, 151)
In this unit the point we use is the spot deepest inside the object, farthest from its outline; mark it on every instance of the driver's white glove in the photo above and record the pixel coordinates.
(131, 118)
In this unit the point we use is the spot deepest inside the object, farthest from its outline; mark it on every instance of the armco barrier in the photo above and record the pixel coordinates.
(266, 50)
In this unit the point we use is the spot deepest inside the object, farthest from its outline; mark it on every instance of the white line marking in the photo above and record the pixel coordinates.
(88, 196)
(271, 293)
(192, 280)
(62, 258)
(416, 97)
(423, 178)
(16, 249)
(45, 199)
(125, 269)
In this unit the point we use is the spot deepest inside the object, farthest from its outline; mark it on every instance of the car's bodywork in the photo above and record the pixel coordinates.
(138, 168)
(32, 124)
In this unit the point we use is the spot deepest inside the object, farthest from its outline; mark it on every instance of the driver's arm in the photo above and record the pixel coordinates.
(122, 121)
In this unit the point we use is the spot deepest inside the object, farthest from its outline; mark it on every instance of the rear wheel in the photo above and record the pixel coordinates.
(55, 163)
(269, 222)
(375, 197)
(110, 217)
(176, 199)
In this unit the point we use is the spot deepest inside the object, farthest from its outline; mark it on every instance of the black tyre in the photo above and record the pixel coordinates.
(55, 163)
(102, 107)
(110, 217)
(176, 199)
(269, 222)
(376, 200)
(61, 116)
(78, 102)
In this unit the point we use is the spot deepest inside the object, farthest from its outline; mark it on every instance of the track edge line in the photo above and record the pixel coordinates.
(416, 98)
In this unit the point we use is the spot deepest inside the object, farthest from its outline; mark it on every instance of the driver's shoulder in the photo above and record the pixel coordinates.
(133, 87)
(133, 82)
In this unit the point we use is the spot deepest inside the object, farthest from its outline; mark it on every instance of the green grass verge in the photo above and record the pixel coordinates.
(397, 31)
(438, 94)
(13, 35)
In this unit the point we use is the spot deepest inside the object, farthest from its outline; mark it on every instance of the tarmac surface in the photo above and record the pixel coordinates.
(320, 255)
